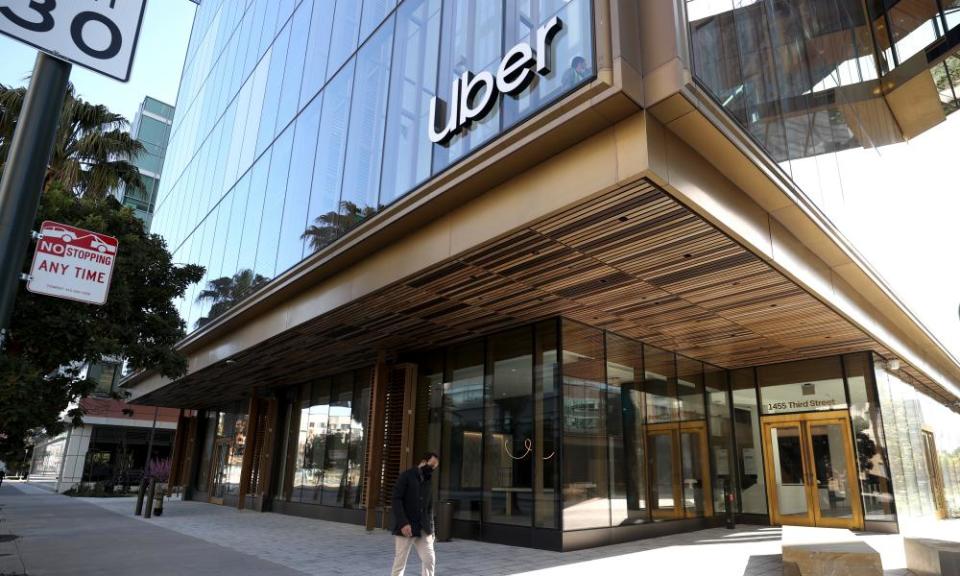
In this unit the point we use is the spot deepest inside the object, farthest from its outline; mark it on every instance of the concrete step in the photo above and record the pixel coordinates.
(827, 552)
(929, 557)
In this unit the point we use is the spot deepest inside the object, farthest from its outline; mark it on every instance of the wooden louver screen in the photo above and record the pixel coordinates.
(393, 434)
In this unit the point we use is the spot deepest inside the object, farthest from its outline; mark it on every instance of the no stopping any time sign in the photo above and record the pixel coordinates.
(73, 263)
(96, 34)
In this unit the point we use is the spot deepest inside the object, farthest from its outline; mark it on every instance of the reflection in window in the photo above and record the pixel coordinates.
(876, 486)
(273, 205)
(586, 501)
(406, 155)
(374, 11)
(660, 384)
(471, 42)
(315, 63)
(721, 431)
(361, 176)
(571, 56)
(547, 423)
(298, 187)
(336, 473)
(509, 455)
(625, 429)
(746, 427)
(346, 27)
(293, 70)
(271, 98)
(690, 388)
(462, 446)
(323, 216)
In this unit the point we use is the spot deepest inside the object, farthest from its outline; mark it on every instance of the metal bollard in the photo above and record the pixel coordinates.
(140, 494)
(149, 511)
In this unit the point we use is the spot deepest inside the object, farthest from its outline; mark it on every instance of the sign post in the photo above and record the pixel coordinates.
(100, 35)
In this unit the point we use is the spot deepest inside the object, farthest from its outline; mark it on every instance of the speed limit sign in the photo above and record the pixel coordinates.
(96, 34)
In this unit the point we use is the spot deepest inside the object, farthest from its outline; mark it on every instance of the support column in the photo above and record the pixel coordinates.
(253, 413)
(378, 398)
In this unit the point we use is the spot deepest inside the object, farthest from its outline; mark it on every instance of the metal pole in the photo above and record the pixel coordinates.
(153, 429)
(25, 171)
(148, 512)
(140, 495)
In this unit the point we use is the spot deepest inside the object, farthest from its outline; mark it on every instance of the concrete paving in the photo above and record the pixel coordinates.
(46, 534)
(62, 535)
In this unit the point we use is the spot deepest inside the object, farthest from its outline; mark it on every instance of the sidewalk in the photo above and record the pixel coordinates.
(198, 538)
(42, 533)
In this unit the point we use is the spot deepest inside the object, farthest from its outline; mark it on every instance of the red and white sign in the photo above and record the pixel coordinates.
(72, 263)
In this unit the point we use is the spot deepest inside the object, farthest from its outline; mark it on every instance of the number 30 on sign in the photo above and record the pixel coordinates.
(96, 34)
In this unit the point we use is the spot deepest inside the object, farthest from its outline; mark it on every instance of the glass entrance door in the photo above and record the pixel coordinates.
(680, 481)
(218, 470)
(813, 478)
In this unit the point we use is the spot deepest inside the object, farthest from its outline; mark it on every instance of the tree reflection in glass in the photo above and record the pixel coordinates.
(227, 291)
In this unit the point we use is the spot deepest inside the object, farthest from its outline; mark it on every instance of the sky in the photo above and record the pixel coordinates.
(156, 66)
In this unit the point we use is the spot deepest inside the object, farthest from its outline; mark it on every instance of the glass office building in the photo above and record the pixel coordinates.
(151, 128)
(588, 251)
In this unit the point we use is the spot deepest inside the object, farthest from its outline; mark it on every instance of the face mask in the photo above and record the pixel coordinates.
(427, 472)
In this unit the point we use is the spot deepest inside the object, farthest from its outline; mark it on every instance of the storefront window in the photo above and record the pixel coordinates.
(625, 423)
(746, 429)
(718, 413)
(460, 475)
(508, 459)
(206, 453)
(546, 455)
(660, 385)
(335, 474)
(876, 487)
(802, 386)
(585, 482)
(360, 412)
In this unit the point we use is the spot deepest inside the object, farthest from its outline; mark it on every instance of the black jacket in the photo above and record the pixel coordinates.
(413, 503)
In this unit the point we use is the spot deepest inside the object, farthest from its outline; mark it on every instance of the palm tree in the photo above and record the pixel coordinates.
(93, 151)
(225, 292)
(332, 225)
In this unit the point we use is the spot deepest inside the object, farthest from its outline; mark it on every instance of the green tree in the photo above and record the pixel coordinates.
(225, 292)
(332, 225)
(50, 338)
(92, 153)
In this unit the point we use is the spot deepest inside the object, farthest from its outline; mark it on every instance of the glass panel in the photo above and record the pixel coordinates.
(586, 502)
(876, 485)
(251, 225)
(413, 79)
(299, 181)
(803, 386)
(429, 415)
(346, 26)
(271, 98)
(662, 474)
(914, 24)
(323, 220)
(692, 472)
(360, 413)
(721, 433)
(660, 384)
(272, 212)
(460, 476)
(628, 459)
(315, 63)
(471, 41)
(314, 427)
(830, 466)
(787, 449)
(749, 456)
(336, 473)
(361, 175)
(293, 71)
(374, 11)
(690, 388)
(547, 423)
(209, 436)
(570, 52)
(508, 459)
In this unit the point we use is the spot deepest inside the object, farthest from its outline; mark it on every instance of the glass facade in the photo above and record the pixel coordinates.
(298, 120)
(327, 445)
(151, 128)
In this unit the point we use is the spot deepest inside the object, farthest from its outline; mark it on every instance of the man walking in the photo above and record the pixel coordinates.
(413, 516)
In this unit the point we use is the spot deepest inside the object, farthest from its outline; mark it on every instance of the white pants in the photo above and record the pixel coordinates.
(424, 546)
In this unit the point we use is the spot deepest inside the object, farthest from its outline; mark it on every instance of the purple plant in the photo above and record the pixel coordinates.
(158, 469)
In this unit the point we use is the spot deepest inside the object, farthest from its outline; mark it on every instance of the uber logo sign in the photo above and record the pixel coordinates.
(472, 96)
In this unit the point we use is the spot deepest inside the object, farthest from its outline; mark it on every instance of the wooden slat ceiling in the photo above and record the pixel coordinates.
(633, 261)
